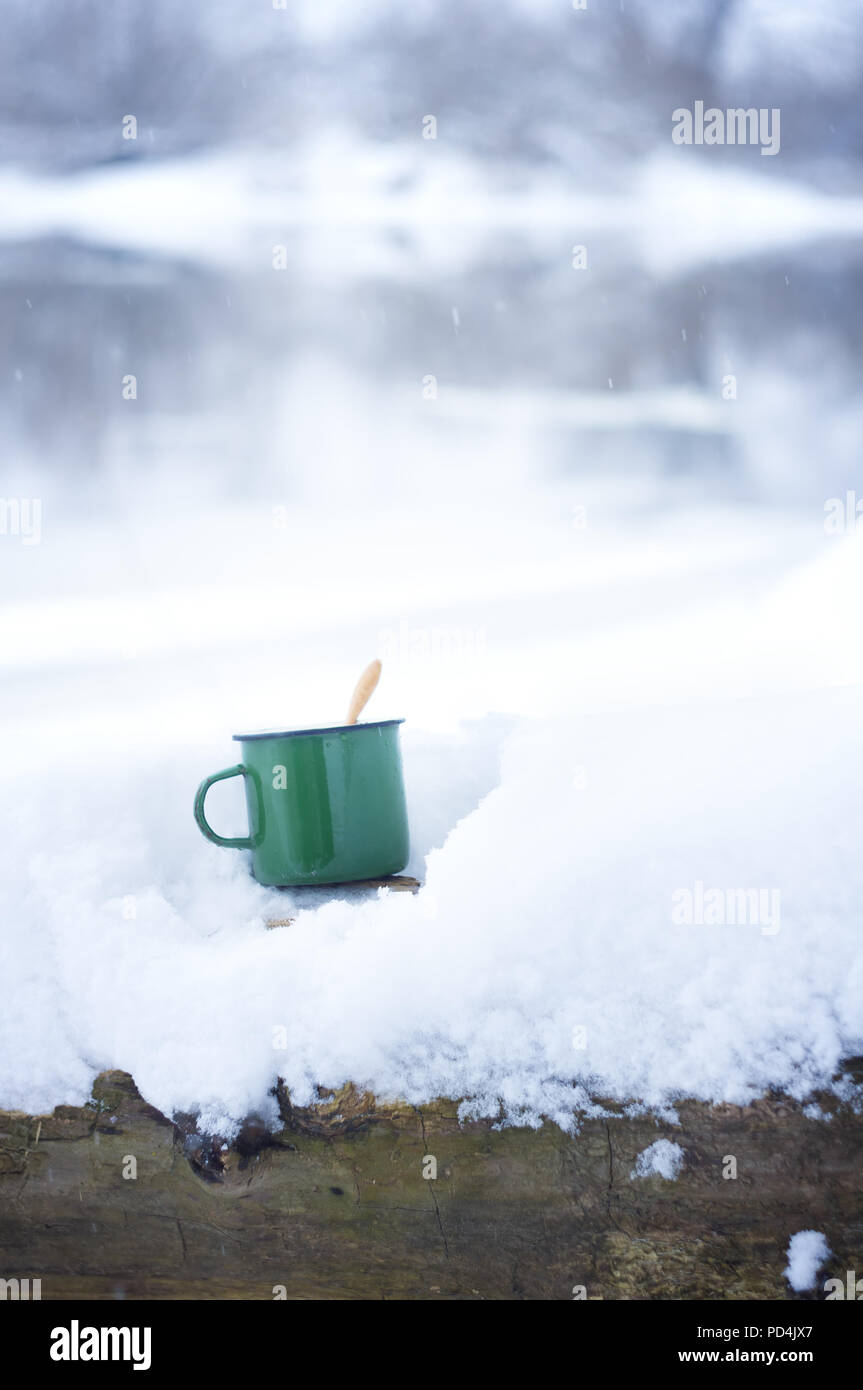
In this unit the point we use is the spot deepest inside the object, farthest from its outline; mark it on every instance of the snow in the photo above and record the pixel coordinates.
(807, 1252)
(636, 753)
(816, 43)
(600, 716)
(662, 1159)
(231, 208)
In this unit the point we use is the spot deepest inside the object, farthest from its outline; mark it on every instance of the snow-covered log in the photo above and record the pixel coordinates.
(351, 1199)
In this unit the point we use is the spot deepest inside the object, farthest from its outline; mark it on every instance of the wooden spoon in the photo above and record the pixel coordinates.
(363, 692)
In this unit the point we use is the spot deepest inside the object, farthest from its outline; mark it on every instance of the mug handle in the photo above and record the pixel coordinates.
(244, 842)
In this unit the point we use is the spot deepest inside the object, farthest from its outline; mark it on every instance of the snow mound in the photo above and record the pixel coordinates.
(542, 962)
(807, 1252)
(662, 1159)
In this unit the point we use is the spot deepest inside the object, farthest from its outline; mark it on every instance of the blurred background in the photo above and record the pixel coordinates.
(339, 330)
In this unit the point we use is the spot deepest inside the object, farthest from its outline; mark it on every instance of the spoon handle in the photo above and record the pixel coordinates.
(364, 688)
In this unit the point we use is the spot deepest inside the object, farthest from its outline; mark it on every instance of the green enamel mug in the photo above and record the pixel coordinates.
(324, 805)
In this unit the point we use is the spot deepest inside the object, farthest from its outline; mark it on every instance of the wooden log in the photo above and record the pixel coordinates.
(335, 1205)
(397, 883)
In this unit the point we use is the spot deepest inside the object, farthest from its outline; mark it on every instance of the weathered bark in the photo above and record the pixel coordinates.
(336, 1206)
